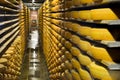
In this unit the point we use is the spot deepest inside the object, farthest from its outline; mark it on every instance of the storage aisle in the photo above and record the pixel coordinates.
(74, 40)
(34, 64)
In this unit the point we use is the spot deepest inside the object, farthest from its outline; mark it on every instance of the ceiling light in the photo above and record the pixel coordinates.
(33, 1)
(33, 8)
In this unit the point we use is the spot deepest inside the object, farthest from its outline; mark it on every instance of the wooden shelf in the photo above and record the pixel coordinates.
(8, 4)
(6, 29)
(8, 15)
(111, 24)
(109, 66)
(5, 46)
(111, 3)
(9, 21)
(5, 37)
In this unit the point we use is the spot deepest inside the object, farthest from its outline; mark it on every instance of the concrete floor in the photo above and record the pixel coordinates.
(34, 65)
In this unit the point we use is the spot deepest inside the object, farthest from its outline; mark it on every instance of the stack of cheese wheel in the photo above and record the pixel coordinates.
(100, 53)
(12, 60)
(99, 72)
(68, 4)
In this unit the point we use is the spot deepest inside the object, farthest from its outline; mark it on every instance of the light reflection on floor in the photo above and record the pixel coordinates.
(35, 67)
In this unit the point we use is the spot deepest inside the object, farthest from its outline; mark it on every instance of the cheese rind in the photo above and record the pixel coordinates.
(101, 34)
(103, 14)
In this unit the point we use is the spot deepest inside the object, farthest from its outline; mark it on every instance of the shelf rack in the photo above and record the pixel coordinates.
(52, 32)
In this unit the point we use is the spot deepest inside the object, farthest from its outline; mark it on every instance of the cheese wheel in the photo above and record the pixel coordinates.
(63, 40)
(75, 51)
(60, 45)
(98, 72)
(68, 75)
(63, 66)
(74, 14)
(68, 55)
(67, 35)
(84, 60)
(2, 67)
(101, 34)
(75, 63)
(72, 26)
(7, 56)
(9, 52)
(63, 49)
(85, 15)
(63, 76)
(100, 53)
(59, 37)
(103, 14)
(3, 61)
(75, 75)
(86, 1)
(84, 74)
(68, 65)
(84, 45)
(63, 58)
(84, 30)
(75, 39)
(76, 2)
(68, 45)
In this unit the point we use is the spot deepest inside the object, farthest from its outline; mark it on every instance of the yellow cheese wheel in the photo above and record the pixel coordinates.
(76, 2)
(75, 63)
(63, 58)
(84, 30)
(60, 45)
(67, 35)
(68, 75)
(75, 39)
(101, 34)
(63, 40)
(72, 26)
(107, 78)
(63, 66)
(2, 67)
(84, 74)
(74, 14)
(68, 55)
(75, 75)
(85, 15)
(98, 72)
(103, 14)
(68, 45)
(75, 51)
(86, 1)
(100, 53)
(68, 65)
(84, 60)
(9, 52)
(7, 56)
(3, 61)
(59, 37)
(84, 45)
(63, 76)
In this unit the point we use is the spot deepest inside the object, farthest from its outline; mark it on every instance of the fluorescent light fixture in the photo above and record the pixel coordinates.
(33, 8)
(33, 1)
